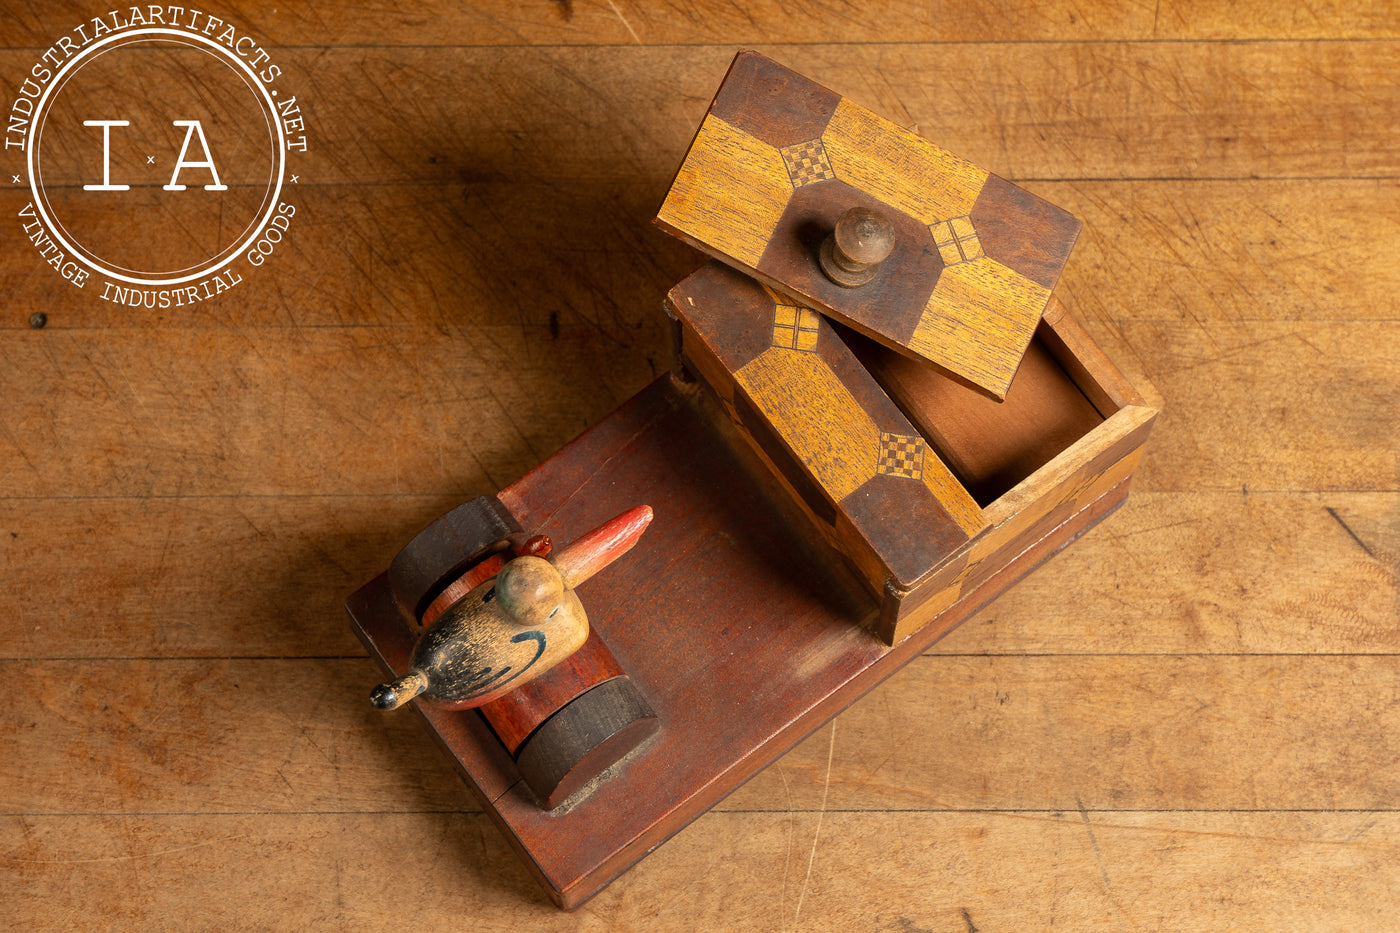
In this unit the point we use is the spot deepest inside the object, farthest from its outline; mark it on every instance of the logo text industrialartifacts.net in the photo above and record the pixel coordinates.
(159, 150)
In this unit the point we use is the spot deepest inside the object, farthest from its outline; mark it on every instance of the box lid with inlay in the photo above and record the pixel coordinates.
(847, 453)
(779, 159)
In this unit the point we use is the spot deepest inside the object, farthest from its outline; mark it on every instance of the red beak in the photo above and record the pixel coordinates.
(589, 554)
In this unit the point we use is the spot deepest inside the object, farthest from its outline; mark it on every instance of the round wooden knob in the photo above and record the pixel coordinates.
(852, 254)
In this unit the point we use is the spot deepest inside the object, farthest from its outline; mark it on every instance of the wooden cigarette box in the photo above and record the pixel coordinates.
(954, 402)
(840, 474)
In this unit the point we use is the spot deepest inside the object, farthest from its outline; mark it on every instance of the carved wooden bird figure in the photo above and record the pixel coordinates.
(511, 628)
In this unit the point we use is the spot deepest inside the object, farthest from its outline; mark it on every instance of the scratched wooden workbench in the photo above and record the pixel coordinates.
(1190, 720)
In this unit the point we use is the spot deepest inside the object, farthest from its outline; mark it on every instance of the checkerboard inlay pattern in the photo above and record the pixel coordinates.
(901, 455)
(807, 163)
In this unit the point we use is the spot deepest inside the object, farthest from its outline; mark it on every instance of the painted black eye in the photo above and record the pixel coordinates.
(552, 612)
(490, 595)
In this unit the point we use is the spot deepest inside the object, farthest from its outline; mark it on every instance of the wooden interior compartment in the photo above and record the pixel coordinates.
(992, 446)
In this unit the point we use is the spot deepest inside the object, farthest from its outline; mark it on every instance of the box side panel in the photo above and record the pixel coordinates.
(807, 404)
(1100, 461)
(1085, 363)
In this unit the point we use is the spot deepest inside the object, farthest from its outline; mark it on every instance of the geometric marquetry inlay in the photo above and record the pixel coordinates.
(956, 240)
(901, 455)
(795, 328)
(807, 163)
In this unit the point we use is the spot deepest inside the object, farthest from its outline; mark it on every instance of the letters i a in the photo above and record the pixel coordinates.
(192, 127)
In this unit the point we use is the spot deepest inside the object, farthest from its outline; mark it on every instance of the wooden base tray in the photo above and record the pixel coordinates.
(743, 630)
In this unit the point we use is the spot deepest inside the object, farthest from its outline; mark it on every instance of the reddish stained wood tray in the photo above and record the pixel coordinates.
(743, 632)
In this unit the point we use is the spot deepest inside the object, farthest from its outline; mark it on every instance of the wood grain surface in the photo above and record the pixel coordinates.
(972, 258)
(1186, 721)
